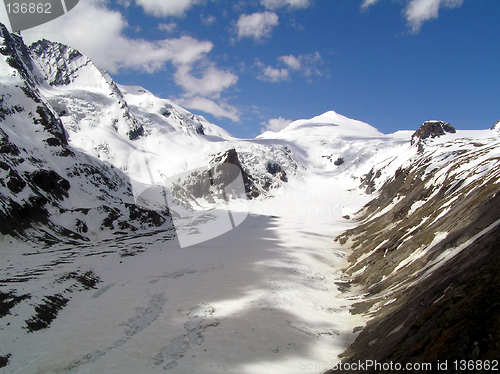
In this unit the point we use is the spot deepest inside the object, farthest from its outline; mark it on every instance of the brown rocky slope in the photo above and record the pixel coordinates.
(427, 253)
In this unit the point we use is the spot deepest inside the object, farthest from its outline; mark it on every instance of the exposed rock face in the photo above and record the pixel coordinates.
(17, 56)
(69, 61)
(259, 177)
(231, 157)
(427, 253)
(431, 129)
(368, 181)
(7, 147)
(276, 170)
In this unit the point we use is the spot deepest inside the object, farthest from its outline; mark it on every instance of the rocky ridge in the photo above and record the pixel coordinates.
(426, 254)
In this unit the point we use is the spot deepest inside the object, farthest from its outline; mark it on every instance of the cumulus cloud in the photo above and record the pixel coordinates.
(275, 124)
(212, 81)
(306, 65)
(218, 109)
(419, 11)
(107, 45)
(291, 61)
(204, 92)
(294, 4)
(165, 8)
(270, 74)
(256, 25)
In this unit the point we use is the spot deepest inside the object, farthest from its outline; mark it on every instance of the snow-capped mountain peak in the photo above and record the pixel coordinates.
(334, 123)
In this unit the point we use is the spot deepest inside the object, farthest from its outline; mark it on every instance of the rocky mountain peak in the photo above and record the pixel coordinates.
(17, 54)
(431, 129)
(58, 63)
(17, 58)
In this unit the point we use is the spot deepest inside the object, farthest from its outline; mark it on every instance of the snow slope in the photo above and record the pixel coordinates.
(261, 299)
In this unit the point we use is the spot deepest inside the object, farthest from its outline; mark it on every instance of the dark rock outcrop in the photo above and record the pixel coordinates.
(231, 157)
(15, 217)
(200, 130)
(68, 64)
(4, 360)
(46, 312)
(7, 147)
(17, 56)
(368, 181)
(276, 170)
(339, 161)
(431, 129)
(51, 182)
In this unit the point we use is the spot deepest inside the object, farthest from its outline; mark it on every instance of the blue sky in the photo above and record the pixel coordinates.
(258, 64)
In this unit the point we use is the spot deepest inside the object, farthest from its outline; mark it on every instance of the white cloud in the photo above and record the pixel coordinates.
(367, 3)
(203, 93)
(294, 4)
(291, 61)
(125, 3)
(219, 110)
(257, 25)
(419, 11)
(212, 81)
(106, 44)
(310, 64)
(168, 27)
(275, 124)
(165, 8)
(208, 20)
(271, 74)
(306, 65)
(108, 47)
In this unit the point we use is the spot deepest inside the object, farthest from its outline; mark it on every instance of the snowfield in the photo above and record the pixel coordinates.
(262, 298)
